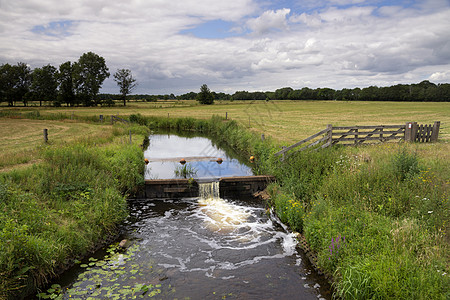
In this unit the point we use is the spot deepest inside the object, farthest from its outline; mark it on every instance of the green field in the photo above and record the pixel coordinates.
(286, 121)
(390, 201)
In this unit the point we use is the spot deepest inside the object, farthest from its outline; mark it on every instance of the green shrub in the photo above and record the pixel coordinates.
(405, 165)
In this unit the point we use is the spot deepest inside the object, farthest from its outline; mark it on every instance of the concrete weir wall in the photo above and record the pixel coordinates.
(230, 187)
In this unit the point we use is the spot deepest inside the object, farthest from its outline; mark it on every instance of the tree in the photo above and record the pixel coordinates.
(89, 73)
(126, 83)
(205, 96)
(6, 83)
(44, 84)
(14, 82)
(22, 78)
(66, 87)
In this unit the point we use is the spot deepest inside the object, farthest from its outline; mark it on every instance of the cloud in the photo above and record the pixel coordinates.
(315, 43)
(269, 20)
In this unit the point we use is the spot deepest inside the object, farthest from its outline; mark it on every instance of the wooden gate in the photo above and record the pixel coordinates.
(356, 135)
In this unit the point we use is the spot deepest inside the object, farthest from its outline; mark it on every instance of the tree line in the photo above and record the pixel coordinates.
(423, 91)
(73, 83)
(79, 83)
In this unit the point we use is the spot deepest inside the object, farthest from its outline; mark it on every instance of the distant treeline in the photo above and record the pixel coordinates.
(423, 91)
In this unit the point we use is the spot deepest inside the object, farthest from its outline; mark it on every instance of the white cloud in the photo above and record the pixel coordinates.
(440, 76)
(328, 46)
(269, 20)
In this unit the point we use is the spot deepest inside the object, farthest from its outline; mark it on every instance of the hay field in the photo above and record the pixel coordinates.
(20, 139)
(286, 121)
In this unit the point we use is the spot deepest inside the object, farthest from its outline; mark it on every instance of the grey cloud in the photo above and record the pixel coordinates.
(329, 46)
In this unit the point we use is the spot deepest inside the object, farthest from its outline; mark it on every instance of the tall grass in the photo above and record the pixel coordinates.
(61, 208)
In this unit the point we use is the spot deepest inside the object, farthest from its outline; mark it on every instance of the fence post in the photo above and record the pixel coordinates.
(435, 132)
(408, 131)
(263, 137)
(284, 153)
(45, 136)
(330, 134)
(226, 115)
(101, 118)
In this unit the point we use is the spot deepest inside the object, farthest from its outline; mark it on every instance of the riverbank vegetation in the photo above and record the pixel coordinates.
(65, 205)
(377, 216)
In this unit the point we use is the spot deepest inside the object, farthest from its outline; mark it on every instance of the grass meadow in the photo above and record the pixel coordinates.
(286, 121)
(376, 216)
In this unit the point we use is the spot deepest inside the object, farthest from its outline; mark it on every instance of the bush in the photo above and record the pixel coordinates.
(405, 165)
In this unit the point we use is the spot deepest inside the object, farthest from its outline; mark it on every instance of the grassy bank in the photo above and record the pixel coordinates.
(59, 209)
(377, 216)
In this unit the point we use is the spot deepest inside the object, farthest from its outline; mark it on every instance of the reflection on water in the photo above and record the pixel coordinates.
(166, 150)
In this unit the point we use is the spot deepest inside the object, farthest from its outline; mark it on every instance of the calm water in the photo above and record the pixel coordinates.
(166, 150)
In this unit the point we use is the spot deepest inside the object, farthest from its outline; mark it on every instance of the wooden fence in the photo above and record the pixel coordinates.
(116, 119)
(356, 135)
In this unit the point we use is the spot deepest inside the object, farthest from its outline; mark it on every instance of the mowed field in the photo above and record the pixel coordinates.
(20, 139)
(285, 121)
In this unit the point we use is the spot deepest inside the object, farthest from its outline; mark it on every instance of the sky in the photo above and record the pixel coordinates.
(253, 45)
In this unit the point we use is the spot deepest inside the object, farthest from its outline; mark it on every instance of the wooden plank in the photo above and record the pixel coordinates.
(301, 142)
(312, 144)
(421, 133)
(306, 147)
(435, 133)
(368, 132)
(372, 138)
(326, 145)
(367, 127)
(427, 133)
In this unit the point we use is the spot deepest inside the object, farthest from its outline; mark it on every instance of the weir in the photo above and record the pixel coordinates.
(228, 187)
(209, 190)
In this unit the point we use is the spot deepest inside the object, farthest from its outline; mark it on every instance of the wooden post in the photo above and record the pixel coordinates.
(435, 132)
(284, 154)
(101, 118)
(381, 134)
(226, 115)
(330, 134)
(263, 137)
(408, 132)
(356, 136)
(45, 136)
(168, 115)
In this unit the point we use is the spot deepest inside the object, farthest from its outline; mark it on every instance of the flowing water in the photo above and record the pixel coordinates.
(196, 248)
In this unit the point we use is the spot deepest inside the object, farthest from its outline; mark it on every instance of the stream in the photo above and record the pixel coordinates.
(196, 248)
